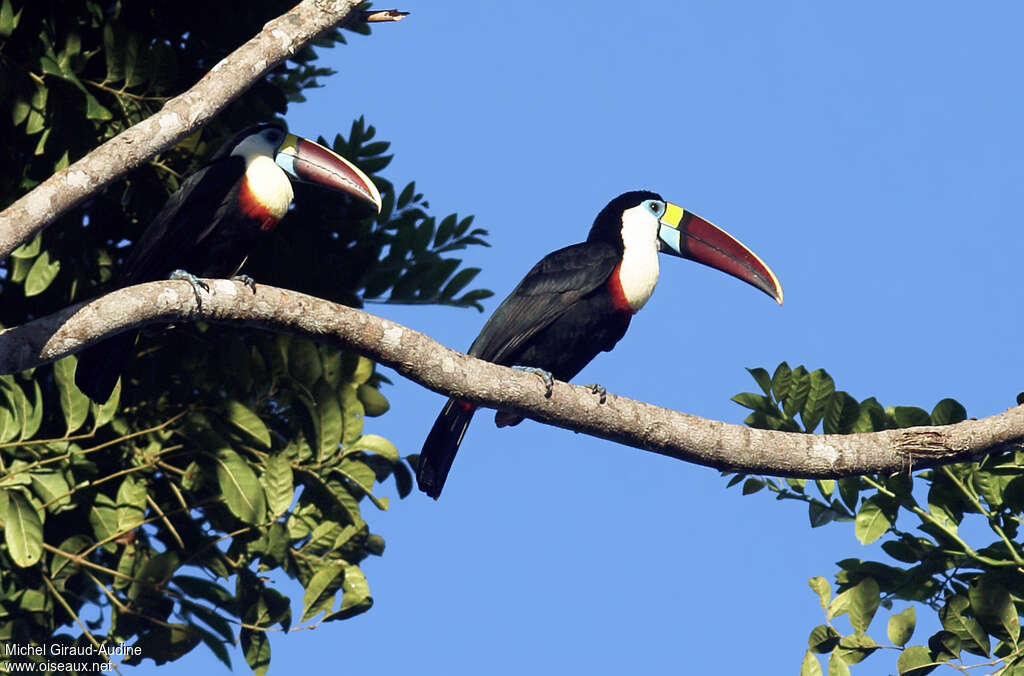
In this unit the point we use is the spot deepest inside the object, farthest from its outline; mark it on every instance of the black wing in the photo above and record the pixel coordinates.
(189, 215)
(554, 284)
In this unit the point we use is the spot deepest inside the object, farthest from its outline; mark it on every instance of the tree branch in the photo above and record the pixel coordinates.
(180, 116)
(421, 359)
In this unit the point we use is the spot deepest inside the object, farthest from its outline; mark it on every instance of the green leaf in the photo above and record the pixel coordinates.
(781, 381)
(799, 389)
(29, 249)
(37, 119)
(764, 381)
(756, 402)
(820, 390)
(363, 476)
(901, 626)
(375, 544)
(967, 629)
(156, 571)
(461, 279)
(23, 530)
(870, 418)
(18, 405)
(304, 362)
(820, 513)
(248, 422)
(864, 600)
(131, 503)
(915, 661)
(242, 491)
(944, 646)
(61, 567)
(375, 443)
(752, 485)
(826, 487)
(321, 584)
(9, 425)
(103, 518)
(355, 594)
(406, 195)
(204, 589)
(910, 416)
(823, 639)
(134, 63)
(839, 605)
(823, 589)
(841, 413)
(73, 403)
(363, 370)
(855, 648)
(94, 110)
(8, 18)
(114, 53)
(278, 482)
(353, 415)
(947, 412)
(992, 605)
(35, 412)
(328, 421)
(41, 274)
(256, 647)
(874, 518)
(810, 665)
(52, 489)
(836, 665)
(104, 413)
(445, 229)
(374, 403)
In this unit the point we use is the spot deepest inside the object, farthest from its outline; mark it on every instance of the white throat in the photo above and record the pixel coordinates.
(638, 273)
(269, 184)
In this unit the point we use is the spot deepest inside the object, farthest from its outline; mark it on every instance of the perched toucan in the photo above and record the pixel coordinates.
(578, 301)
(218, 215)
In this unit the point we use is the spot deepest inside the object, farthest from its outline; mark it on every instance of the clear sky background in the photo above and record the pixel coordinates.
(870, 153)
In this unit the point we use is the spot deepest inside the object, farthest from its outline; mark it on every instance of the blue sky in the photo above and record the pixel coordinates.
(870, 153)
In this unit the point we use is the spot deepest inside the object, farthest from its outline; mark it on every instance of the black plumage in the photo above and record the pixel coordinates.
(560, 316)
(201, 230)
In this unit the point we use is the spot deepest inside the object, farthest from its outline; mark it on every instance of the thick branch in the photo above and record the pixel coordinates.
(180, 116)
(417, 357)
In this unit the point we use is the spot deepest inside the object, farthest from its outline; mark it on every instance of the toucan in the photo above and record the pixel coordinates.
(214, 220)
(578, 301)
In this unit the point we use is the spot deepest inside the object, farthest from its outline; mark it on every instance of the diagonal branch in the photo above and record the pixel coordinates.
(421, 359)
(180, 116)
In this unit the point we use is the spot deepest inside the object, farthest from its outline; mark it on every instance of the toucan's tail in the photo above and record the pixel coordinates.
(99, 367)
(441, 445)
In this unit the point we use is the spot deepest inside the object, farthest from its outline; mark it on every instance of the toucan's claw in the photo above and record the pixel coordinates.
(599, 390)
(194, 281)
(545, 376)
(247, 280)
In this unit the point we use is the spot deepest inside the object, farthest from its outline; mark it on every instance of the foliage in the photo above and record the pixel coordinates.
(225, 454)
(924, 521)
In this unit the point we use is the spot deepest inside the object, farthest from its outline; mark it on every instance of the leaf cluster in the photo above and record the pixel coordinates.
(226, 455)
(925, 522)
(149, 525)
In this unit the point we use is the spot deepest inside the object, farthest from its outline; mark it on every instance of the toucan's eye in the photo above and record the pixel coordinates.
(656, 207)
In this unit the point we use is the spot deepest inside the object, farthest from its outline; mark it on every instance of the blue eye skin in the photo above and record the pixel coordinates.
(656, 207)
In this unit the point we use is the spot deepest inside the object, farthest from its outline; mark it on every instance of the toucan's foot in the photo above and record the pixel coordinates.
(194, 281)
(599, 391)
(549, 380)
(247, 280)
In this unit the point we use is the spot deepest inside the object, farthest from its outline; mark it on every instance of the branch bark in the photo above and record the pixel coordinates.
(180, 116)
(416, 356)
